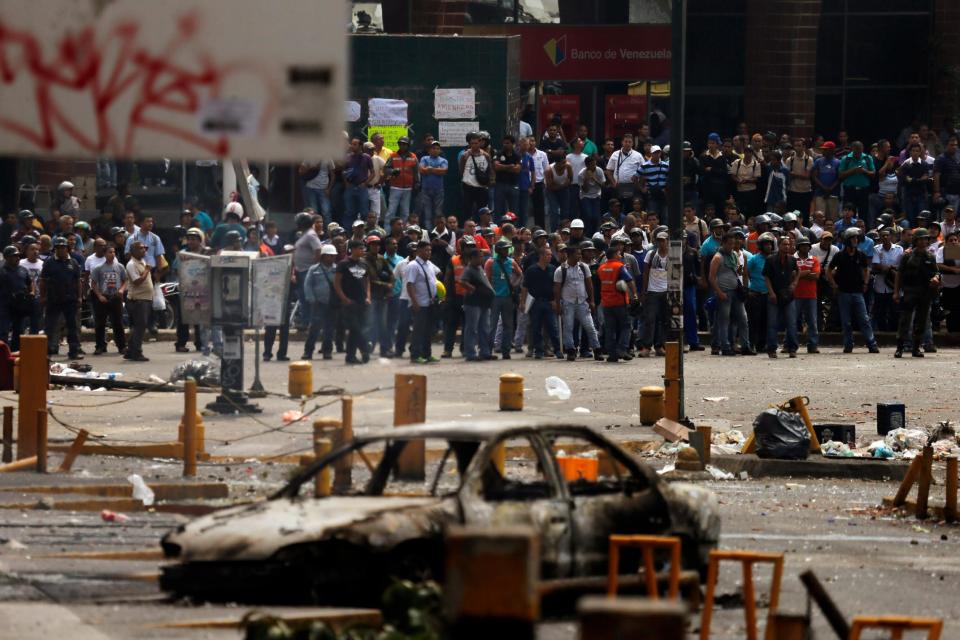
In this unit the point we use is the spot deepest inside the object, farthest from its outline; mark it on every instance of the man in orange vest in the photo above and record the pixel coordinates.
(614, 284)
(401, 173)
(453, 303)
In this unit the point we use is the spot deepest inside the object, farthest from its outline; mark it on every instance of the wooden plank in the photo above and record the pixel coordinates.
(162, 490)
(912, 472)
(923, 490)
(950, 506)
(20, 465)
(115, 554)
(672, 431)
(7, 434)
(410, 407)
(41, 441)
(159, 450)
(73, 452)
(34, 379)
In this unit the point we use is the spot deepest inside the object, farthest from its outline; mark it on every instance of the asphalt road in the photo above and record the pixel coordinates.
(870, 562)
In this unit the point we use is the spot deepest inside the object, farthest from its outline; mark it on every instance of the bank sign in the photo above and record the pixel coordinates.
(628, 53)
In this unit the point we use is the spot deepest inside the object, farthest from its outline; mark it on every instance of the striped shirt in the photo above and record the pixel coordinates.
(655, 173)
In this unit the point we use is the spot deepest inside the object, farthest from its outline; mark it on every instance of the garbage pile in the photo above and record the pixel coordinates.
(905, 443)
(205, 372)
(83, 373)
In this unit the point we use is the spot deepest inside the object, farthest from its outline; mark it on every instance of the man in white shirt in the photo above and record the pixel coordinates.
(573, 297)
(886, 258)
(420, 282)
(622, 170)
(540, 164)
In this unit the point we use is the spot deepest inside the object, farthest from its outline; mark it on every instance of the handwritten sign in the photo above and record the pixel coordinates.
(454, 104)
(391, 133)
(384, 111)
(454, 134)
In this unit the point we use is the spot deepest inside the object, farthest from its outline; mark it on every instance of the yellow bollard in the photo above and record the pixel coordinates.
(321, 447)
(511, 392)
(300, 379)
(651, 405)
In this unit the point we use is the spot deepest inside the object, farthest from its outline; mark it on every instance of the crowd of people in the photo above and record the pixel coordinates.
(559, 250)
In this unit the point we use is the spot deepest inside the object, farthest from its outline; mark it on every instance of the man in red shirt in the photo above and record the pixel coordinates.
(805, 294)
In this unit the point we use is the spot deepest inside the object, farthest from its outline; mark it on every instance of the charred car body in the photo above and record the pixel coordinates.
(346, 547)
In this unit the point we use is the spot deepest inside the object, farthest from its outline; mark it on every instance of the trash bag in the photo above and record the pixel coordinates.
(205, 372)
(781, 434)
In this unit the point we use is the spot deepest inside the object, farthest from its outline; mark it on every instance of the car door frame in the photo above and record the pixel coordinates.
(552, 519)
(593, 525)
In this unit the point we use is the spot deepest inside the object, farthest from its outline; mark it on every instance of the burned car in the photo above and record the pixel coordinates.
(379, 525)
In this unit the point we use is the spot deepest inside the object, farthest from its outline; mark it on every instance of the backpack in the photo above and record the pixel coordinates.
(482, 175)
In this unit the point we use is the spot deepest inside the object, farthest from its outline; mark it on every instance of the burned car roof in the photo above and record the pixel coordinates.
(479, 431)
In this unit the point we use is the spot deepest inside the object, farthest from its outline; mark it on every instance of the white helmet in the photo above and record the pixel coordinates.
(66, 184)
(234, 207)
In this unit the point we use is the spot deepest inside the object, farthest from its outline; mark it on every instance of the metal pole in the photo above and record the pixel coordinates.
(675, 183)
(256, 389)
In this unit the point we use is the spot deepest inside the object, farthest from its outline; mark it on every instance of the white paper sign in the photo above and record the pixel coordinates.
(193, 271)
(387, 111)
(454, 104)
(352, 111)
(271, 282)
(454, 134)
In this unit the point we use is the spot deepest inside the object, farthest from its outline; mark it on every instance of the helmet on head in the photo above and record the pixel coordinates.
(761, 219)
(791, 217)
(26, 214)
(59, 241)
(80, 225)
(767, 237)
(851, 232)
(11, 250)
(233, 236)
(774, 218)
(921, 233)
(235, 208)
(66, 184)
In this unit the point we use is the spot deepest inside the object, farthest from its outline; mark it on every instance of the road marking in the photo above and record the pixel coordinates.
(831, 537)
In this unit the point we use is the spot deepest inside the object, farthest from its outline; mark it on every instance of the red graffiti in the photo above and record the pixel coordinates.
(129, 88)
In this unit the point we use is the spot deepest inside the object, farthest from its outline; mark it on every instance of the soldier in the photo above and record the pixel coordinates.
(919, 279)
(60, 293)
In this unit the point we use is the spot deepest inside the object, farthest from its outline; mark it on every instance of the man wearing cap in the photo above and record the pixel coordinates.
(507, 165)
(433, 168)
(306, 253)
(781, 275)
(727, 273)
(653, 296)
(453, 303)
(108, 283)
(34, 266)
(60, 293)
(848, 274)
(746, 173)
(475, 176)
(16, 297)
(918, 279)
(401, 172)
(538, 284)
(652, 177)
(573, 297)
(855, 172)
(505, 275)
(421, 284)
(26, 228)
(381, 286)
(477, 338)
(615, 286)
(319, 294)
(826, 180)
(352, 287)
(824, 251)
(805, 294)
(757, 291)
(357, 175)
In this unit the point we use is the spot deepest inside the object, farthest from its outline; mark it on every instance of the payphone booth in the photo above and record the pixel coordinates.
(230, 309)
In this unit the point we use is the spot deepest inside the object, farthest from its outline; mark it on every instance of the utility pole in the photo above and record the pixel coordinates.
(673, 379)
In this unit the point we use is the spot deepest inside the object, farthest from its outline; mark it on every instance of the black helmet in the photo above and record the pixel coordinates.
(59, 241)
(115, 231)
(10, 251)
(26, 214)
(233, 236)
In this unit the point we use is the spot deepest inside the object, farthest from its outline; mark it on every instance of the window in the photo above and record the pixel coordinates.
(589, 468)
(521, 476)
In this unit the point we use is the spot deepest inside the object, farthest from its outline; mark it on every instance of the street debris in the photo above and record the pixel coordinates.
(557, 388)
(834, 449)
(140, 490)
(292, 415)
(719, 474)
(733, 436)
(581, 410)
(112, 516)
(781, 434)
(205, 372)
(15, 545)
(716, 398)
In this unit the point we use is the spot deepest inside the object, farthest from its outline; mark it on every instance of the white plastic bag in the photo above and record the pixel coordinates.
(140, 490)
(557, 388)
(159, 304)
